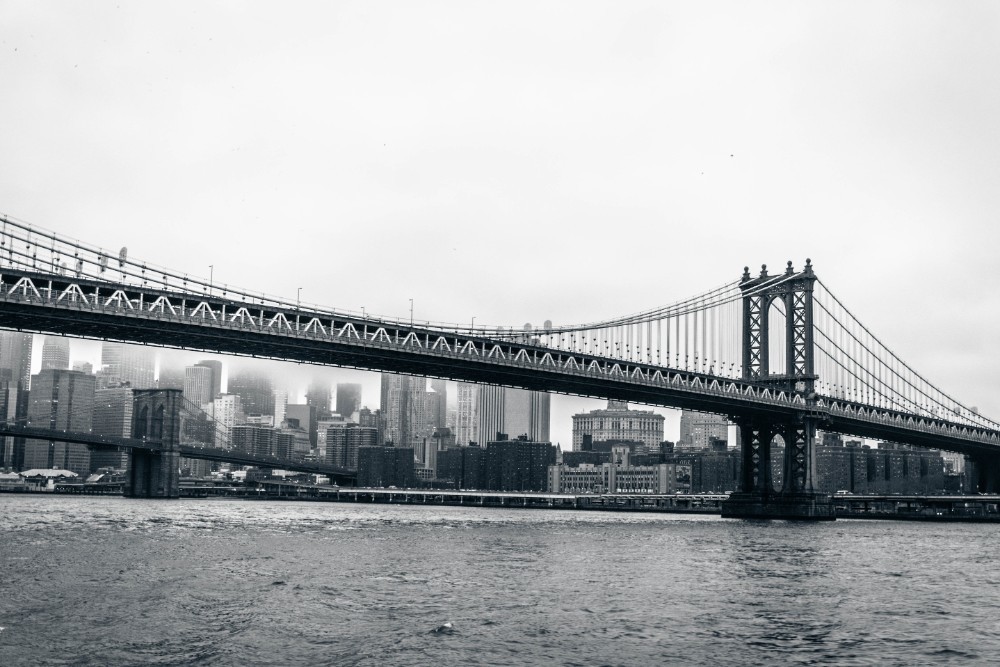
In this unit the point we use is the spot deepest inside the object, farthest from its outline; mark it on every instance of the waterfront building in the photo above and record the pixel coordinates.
(617, 423)
(170, 377)
(518, 465)
(386, 466)
(618, 475)
(62, 400)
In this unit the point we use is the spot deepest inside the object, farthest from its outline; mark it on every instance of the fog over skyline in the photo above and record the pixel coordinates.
(517, 162)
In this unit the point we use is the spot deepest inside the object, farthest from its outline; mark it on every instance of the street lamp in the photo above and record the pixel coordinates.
(298, 298)
(472, 329)
(411, 312)
(211, 274)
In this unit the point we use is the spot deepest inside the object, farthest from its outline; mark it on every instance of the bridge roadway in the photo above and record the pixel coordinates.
(191, 451)
(68, 305)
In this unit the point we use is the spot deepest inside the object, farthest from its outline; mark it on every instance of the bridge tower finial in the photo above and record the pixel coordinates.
(746, 274)
(763, 270)
(809, 267)
(789, 270)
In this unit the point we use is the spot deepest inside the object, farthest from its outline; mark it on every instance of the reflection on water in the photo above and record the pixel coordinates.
(109, 581)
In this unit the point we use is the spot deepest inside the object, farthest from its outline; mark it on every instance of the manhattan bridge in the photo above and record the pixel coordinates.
(778, 354)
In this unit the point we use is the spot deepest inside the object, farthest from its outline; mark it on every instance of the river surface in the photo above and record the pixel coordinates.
(110, 581)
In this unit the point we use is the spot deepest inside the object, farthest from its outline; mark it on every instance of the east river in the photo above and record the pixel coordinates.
(109, 581)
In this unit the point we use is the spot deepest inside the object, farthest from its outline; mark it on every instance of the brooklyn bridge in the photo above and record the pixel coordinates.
(777, 353)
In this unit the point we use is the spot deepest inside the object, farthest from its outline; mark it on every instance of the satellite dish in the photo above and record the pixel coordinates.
(122, 256)
(548, 325)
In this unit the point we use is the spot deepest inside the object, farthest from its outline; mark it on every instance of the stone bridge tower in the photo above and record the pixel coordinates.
(156, 418)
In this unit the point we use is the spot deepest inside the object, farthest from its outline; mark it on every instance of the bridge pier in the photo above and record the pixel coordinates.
(792, 296)
(985, 473)
(797, 499)
(155, 472)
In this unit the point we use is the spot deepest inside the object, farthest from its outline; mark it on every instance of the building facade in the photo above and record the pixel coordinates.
(63, 400)
(513, 413)
(616, 423)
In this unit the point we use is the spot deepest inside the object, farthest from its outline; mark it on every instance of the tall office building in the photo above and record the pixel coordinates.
(404, 422)
(618, 423)
(513, 412)
(254, 389)
(62, 400)
(467, 416)
(227, 411)
(348, 400)
(280, 403)
(698, 429)
(303, 415)
(318, 396)
(343, 442)
(439, 411)
(15, 377)
(198, 385)
(55, 353)
(112, 416)
(134, 364)
(216, 368)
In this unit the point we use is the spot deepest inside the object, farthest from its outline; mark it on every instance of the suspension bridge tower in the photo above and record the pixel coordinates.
(789, 296)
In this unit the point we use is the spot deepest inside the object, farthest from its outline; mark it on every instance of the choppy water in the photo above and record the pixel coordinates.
(109, 581)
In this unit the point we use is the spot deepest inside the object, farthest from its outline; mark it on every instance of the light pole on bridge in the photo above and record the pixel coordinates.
(211, 274)
(411, 312)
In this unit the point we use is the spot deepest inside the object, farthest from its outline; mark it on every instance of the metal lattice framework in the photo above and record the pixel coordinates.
(710, 352)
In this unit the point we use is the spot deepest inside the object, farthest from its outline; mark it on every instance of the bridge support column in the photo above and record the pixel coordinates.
(156, 418)
(984, 472)
(757, 498)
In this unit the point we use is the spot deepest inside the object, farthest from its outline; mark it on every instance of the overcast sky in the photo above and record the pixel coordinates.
(523, 161)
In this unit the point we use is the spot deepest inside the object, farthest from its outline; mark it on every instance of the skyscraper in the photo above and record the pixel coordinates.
(134, 364)
(254, 389)
(318, 396)
(440, 407)
(216, 368)
(198, 384)
(55, 353)
(15, 377)
(227, 411)
(514, 412)
(63, 400)
(403, 421)
(112, 416)
(467, 419)
(348, 399)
